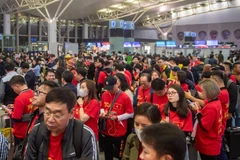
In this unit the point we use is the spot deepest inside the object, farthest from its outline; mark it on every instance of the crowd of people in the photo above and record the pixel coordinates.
(152, 107)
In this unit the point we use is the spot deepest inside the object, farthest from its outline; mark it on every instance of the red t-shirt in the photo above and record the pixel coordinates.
(55, 147)
(198, 88)
(185, 124)
(209, 136)
(184, 87)
(233, 78)
(22, 105)
(129, 75)
(74, 81)
(92, 110)
(224, 99)
(102, 77)
(128, 80)
(143, 95)
(158, 100)
(122, 105)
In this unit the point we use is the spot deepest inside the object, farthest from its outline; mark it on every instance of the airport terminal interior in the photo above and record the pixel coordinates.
(120, 79)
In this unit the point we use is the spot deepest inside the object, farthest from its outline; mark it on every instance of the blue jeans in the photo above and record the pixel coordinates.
(186, 154)
(222, 155)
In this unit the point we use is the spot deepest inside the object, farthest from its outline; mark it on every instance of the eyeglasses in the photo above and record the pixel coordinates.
(56, 116)
(171, 93)
(37, 92)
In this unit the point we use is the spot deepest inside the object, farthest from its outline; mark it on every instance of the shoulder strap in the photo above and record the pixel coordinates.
(77, 141)
(114, 100)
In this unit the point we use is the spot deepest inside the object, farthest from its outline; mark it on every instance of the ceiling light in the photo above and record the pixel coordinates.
(106, 10)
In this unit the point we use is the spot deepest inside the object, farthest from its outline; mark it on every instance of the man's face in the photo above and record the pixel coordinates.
(24, 70)
(135, 61)
(50, 76)
(161, 63)
(77, 76)
(40, 96)
(144, 82)
(56, 117)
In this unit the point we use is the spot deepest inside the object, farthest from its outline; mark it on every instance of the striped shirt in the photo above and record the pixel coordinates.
(3, 147)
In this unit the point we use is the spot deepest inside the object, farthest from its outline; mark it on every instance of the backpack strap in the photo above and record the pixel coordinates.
(77, 141)
(228, 83)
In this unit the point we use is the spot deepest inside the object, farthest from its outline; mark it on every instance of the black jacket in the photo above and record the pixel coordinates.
(232, 91)
(88, 150)
(71, 87)
(30, 78)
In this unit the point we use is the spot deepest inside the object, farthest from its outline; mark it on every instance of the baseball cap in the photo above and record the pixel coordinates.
(175, 69)
(110, 82)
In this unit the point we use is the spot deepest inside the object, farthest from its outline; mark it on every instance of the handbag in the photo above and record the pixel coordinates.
(19, 151)
(102, 123)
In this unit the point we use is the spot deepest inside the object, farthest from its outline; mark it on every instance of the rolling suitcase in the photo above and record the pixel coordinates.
(232, 136)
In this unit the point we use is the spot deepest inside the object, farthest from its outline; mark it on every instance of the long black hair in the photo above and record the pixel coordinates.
(124, 85)
(182, 106)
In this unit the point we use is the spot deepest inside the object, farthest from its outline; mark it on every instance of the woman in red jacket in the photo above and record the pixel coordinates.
(208, 139)
(87, 108)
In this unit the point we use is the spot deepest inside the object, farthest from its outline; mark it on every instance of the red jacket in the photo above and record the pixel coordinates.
(209, 131)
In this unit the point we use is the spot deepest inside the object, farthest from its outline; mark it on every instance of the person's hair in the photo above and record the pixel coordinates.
(82, 71)
(148, 110)
(49, 84)
(124, 85)
(166, 139)
(182, 76)
(211, 88)
(157, 68)
(92, 92)
(207, 67)
(206, 74)
(182, 106)
(186, 62)
(59, 72)
(201, 59)
(146, 75)
(119, 67)
(100, 60)
(63, 96)
(174, 59)
(154, 71)
(138, 66)
(9, 66)
(229, 65)
(67, 76)
(25, 65)
(17, 79)
(49, 71)
(235, 64)
(158, 84)
(219, 75)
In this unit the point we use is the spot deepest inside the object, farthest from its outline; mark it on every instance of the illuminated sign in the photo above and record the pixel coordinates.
(120, 24)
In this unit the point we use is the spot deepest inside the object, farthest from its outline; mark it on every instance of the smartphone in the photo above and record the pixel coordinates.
(190, 102)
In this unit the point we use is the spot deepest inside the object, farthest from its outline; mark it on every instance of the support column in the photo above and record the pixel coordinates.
(68, 30)
(17, 33)
(40, 29)
(90, 32)
(7, 24)
(76, 31)
(29, 33)
(85, 31)
(59, 32)
(97, 32)
(52, 36)
(102, 32)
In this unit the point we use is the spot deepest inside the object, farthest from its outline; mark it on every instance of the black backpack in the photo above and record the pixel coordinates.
(77, 141)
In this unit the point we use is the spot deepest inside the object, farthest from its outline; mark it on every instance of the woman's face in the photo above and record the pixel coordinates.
(172, 95)
(84, 86)
(154, 75)
(141, 121)
(34, 62)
